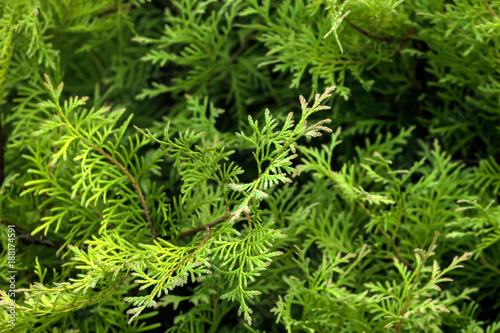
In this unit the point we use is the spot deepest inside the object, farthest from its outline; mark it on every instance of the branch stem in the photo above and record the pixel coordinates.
(193, 231)
(492, 12)
(396, 249)
(387, 39)
(244, 43)
(134, 184)
(415, 280)
(393, 240)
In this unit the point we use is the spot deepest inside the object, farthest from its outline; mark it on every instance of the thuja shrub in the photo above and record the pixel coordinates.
(180, 166)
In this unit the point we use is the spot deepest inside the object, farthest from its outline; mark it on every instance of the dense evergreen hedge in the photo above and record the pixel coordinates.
(182, 195)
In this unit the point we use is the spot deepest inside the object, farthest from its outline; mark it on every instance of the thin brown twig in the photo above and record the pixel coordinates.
(364, 208)
(16, 226)
(210, 225)
(402, 42)
(393, 242)
(207, 235)
(244, 44)
(134, 184)
(214, 314)
(396, 250)
(29, 239)
(203, 227)
(387, 39)
(492, 12)
(489, 265)
(249, 221)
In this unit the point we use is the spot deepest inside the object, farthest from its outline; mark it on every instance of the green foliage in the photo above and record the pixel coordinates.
(329, 304)
(170, 198)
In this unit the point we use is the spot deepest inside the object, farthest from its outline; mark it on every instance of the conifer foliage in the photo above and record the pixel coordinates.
(179, 166)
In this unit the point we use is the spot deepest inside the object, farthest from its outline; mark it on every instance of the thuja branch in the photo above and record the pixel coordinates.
(415, 279)
(132, 180)
(280, 159)
(161, 282)
(88, 141)
(57, 311)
